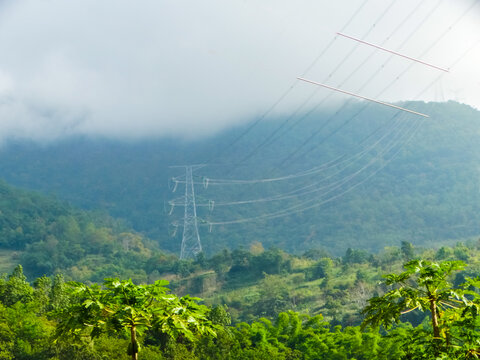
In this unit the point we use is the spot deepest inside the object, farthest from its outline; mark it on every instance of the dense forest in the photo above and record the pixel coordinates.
(437, 169)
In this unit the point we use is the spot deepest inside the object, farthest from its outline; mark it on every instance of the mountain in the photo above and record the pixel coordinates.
(363, 177)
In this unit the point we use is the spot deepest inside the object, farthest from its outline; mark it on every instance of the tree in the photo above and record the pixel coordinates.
(42, 287)
(407, 250)
(425, 286)
(125, 307)
(15, 288)
(23, 334)
(274, 296)
(355, 256)
(321, 268)
(58, 295)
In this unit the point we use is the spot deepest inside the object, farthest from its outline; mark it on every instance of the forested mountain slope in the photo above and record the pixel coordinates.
(48, 236)
(379, 177)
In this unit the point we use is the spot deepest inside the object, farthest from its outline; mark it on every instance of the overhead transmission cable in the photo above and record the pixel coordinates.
(438, 39)
(295, 209)
(289, 211)
(316, 169)
(272, 137)
(313, 93)
(298, 208)
(331, 187)
(459, 59)
(312, 188)
(333, 163)
(322, 53)
(304, 173)
(301, 191)
(306, 190)
(426, 51)
(292, 85)
(302, 206)
(365, 84)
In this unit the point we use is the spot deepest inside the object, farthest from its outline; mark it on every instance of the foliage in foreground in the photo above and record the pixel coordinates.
(56, 320)
(123, 308)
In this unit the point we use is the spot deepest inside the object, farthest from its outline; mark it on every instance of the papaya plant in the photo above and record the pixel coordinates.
(426, 286)
(123, 307)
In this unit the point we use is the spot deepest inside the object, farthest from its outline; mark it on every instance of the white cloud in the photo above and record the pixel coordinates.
(187, 68)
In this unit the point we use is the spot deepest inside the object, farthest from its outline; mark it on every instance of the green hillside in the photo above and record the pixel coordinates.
(263, 283)
(417, 184)
(256, 303)
(48, 236)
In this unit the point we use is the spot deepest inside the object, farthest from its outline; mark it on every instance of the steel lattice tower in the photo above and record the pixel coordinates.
(191, 245)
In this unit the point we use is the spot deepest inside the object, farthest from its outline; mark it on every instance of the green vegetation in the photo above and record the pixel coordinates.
(428, 193)
(258, 304)
(56, 320)
(452, 332)
(47, 236)
(88, 247)
(263, 284)
(123, 307)
(259, 301)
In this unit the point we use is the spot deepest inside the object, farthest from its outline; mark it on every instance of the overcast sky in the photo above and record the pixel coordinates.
(189, 68)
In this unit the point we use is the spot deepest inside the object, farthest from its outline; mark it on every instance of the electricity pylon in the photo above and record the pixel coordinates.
(191, 245)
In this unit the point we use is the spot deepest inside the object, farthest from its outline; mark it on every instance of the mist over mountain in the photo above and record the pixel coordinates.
(155, 68)
(364, 178)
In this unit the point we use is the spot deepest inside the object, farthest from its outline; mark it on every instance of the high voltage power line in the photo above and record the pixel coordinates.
(385, 11)
(319, 192)
(189, 179)
(307, 190)
(380, 93)
(313, 202)
(266, 141)
(362, 87)
(293, 84)
(318, 169)
(271, 138)
(308, 204)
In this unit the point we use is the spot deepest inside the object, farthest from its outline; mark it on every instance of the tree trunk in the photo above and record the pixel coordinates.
(133, 338)
(433, 309)
(436, 328)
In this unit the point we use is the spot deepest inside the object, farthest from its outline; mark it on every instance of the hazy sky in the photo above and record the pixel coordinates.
(188, 67)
